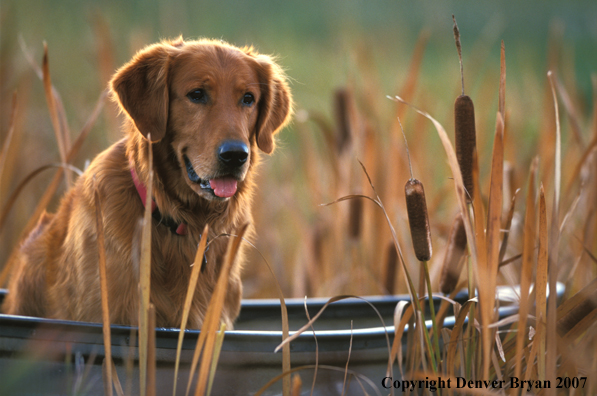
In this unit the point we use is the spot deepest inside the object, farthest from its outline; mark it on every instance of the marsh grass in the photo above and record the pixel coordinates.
(530, 238)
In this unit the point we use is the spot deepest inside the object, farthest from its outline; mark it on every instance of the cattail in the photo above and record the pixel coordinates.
(453, 260)
(465, 136)
(465, 139)
(355, 218)
(577, 308)
(391, 266)
(416, 208)
(342, 113)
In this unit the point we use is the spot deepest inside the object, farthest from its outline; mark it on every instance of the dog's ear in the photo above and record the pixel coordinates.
(141, 89)
(275, 104)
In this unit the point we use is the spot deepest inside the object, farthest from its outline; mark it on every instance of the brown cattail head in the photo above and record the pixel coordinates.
(416, 208)
(343, 115)
(465, 139)
(391, 266)
(454, 256)
(577, 308)
(355, 217)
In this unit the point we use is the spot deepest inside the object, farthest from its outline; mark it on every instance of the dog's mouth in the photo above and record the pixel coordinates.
(222, 187)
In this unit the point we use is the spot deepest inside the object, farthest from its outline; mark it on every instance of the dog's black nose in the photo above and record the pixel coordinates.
(233, 153)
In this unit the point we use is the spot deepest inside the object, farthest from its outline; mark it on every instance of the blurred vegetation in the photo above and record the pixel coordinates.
(366, 46)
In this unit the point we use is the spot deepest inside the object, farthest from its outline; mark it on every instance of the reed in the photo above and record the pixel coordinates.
(145, 280)
(104, 293)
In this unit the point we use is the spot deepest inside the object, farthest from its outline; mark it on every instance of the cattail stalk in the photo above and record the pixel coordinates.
(453, 261)
(464, 127)
(418, 220)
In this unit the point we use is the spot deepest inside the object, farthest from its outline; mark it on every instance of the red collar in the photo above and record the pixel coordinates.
(176, 228)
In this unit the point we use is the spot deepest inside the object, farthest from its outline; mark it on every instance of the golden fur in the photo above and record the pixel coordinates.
(57, 273)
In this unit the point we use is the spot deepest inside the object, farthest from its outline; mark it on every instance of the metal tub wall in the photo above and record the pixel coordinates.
(53, 357)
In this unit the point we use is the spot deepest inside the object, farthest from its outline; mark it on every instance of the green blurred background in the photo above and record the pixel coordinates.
(314, 39)
(323, 45)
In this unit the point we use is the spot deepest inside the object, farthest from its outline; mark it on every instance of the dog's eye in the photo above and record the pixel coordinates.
(197, 96)
(248, 99)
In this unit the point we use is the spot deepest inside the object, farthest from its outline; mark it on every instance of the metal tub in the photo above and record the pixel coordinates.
(54, 357)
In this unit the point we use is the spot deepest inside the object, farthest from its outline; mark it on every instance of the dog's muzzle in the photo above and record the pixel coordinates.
(232, 155)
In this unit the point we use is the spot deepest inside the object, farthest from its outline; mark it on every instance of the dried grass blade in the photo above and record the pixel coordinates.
(510, 260)
(572, 113)
(95, 113)
(349, 197)
(581, 162)
(528, 259)
(495, 205)
(49, 193)
(502, 94)
(541, 285)
(475, 269)
(507, 228)
(145, 277)
(72, 153)
(8, 139)
(506, 321)
(554, 240)
(151, 357)
(216, 357)
(312, 320)
(117, 385)
(494, 219)
(457, 332)
(106, 377)
(443, 309)
(104, 290)
(347, 361)
(558, 152)
(189, 299)
(316, 349)
(51, 99)
(30, 58)
(400, 321)
(13, 197)
(214, 311)
(479, 218)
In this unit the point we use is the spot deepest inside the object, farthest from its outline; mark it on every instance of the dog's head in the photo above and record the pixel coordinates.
(213, 102)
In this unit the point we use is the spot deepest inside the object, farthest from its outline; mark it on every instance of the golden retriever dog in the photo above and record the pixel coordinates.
(208, 108)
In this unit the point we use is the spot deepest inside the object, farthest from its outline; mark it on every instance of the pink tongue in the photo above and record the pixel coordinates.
(223, 187)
